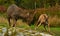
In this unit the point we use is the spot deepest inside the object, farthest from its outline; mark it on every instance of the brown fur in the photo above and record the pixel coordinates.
(43, 20)
(15, 13)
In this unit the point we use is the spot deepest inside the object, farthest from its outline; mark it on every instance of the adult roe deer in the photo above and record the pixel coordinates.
(15, 13)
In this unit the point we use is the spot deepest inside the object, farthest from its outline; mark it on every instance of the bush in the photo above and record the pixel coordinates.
(54, 21)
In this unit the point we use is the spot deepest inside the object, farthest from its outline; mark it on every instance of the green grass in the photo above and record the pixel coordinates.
(55, 30)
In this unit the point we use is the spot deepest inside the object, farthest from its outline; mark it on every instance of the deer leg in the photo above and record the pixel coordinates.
(9, 21)
(48, 27)
(38, 24)
(14, 22)
(45, 27)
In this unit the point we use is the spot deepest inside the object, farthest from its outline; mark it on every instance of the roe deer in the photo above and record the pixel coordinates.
(43, 20)
(15, 13)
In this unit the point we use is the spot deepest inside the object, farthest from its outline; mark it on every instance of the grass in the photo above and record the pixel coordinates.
(20, 24)
(56, 31)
